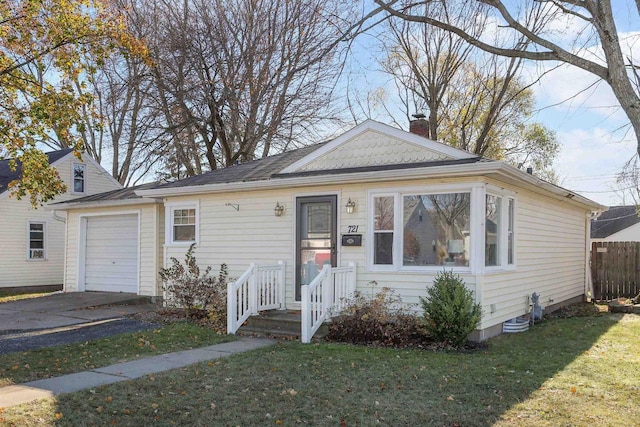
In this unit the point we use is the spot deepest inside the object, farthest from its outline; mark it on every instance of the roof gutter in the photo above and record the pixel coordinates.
(63, 206)
(535, 184)
(510, 173)
(298, 181)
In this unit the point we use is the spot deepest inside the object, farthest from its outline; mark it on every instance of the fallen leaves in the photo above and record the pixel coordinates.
(290, 392)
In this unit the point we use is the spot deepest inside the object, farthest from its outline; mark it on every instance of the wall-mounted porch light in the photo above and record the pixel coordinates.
(351, 206)
(279, 209)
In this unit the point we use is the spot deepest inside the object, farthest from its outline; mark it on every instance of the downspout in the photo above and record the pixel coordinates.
(56, 217)
(588, 285)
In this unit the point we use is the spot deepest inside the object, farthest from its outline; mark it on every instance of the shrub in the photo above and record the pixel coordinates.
(187, 288)
(449, 311)
(377, 321)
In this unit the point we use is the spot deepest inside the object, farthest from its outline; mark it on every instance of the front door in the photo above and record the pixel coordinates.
(315, 237)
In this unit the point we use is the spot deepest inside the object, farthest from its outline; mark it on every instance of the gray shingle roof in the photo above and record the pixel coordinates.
(255, 170)
(617, 218)
(119, 194)
(260, 170)
(7, 175)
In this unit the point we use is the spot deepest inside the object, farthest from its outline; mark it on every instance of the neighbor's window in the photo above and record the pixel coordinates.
(36, 240)
(78, 178)
(436, 229)
(184, 225)
(492, 233)
(383, 223)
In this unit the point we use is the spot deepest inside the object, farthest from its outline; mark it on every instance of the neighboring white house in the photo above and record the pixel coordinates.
(397, 206)
(618, 224)
(33, 239)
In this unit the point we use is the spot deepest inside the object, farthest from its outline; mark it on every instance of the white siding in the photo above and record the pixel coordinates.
(255, 234)
(550, 259)
(550, 245)
(150, 229)
(15, 268)
(629, 234)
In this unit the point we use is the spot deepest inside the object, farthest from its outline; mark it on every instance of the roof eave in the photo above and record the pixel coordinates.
(64, 206)
(373, 176)
(535, 184)
(481, 168)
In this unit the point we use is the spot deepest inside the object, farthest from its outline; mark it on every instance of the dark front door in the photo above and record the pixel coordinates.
(315, 237)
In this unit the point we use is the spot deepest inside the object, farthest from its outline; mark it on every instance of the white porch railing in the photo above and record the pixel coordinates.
(327, 293)
(259, 288)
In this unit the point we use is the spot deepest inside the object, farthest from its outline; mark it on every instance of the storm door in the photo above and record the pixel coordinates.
(315, 237)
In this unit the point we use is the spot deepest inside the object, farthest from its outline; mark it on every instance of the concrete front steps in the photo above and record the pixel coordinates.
(278, 324)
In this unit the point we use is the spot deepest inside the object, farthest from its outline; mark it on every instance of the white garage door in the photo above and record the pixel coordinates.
(111, 257)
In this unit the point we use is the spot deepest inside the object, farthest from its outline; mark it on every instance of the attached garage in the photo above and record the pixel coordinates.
(111, 255)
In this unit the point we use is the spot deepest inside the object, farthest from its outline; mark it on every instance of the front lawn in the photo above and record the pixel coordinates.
(576, 371)
(48, 362)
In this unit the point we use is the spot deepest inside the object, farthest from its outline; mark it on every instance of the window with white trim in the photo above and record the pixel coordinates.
(383, 224)
(492, 230)
(182, 223)
(36, 237)
(421, 229)
(79, 178)
(510, 232)
(499, 233)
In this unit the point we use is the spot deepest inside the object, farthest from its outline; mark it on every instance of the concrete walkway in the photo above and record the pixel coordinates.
(27, 392)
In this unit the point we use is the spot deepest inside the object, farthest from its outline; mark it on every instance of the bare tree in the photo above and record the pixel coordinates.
(533, 20)
(425, 62)
(475, 101)
(123, 127)
(236, 80)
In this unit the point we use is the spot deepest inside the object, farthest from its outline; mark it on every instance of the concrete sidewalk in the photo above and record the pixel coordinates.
(27, 392)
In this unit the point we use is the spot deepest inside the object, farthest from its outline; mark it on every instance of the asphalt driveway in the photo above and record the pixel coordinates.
(65, 318)
(65, 309)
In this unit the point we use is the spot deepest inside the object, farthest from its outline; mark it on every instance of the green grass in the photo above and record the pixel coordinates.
(48, 362)
(574, 372)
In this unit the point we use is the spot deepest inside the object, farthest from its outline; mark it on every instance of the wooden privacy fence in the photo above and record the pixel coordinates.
(615, 270)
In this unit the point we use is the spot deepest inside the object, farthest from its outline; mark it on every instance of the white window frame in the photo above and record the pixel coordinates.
(73, 178)
(44, 241)
(499, 230)
(476, 223)
(503, 245)
(371, 227)
(170, 208)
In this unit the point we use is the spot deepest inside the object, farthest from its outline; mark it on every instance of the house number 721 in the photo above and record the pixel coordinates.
(352, 228)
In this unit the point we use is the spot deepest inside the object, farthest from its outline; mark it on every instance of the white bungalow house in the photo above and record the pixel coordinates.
(33, 239)
(376, 204)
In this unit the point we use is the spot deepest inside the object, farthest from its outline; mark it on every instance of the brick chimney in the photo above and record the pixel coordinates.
(419, 126)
